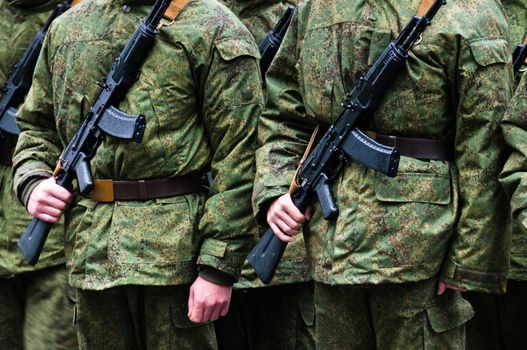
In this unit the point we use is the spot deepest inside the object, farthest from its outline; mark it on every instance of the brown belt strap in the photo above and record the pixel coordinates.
(174, 9)
(6, 156)
(417, 148)
(424, 6)
(142, 190)
(294, 184)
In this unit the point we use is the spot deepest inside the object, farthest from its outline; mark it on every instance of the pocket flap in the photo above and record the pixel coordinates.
(213, 247)
(230, 49)
(422, 188)
(489, 51)
(450, 315)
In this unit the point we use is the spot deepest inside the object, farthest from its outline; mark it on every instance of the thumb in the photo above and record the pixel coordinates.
(441, 288)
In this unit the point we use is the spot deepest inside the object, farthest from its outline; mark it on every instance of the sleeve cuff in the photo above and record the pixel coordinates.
(472, 280)
(30, 186)
(216, 255)
(215, 276)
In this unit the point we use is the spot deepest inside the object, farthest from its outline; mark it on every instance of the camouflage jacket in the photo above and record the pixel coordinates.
(19, 22)
(260, 17)
(516, 11)
(200, 91)
(435, 217)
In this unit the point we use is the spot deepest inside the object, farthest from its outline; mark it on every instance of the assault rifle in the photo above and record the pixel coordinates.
(344, 142)
(102, 118)
(518, 58)
(272, 41)
(19, 81)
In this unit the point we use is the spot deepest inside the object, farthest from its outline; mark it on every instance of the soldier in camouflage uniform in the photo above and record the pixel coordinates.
(133, 260)
(251, 322)
(36, 303)
(389, 268)
(499, 322)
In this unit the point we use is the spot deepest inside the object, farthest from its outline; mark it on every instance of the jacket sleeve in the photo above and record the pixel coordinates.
(284, 129)
(514, 175)
(479, 249)
(232, 102)
(38, 145)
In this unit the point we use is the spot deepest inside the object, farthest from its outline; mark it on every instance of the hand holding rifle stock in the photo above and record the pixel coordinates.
(344, 142)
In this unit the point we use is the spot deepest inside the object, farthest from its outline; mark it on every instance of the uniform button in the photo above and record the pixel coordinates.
(127, 8)
(20, 18)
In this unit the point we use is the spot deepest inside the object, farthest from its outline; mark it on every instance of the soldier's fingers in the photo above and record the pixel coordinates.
(61, 193)
(50, 201)
(46, 217)
(285, 228)
(225, 308)
(289, 221)
(208, 309)
(282, 236)
(215, 314)
(294, 213)
(441, 288)
(51, 211)
(196, 314)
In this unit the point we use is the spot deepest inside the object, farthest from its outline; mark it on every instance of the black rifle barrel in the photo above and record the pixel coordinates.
(344, 142)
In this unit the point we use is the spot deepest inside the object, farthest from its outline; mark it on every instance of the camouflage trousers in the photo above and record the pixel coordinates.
(36, 311)
(392, 316)
(500, 321)
(269, 318)
(139, 317)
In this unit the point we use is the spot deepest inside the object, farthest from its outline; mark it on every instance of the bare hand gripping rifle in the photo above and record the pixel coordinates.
(102, 118)
(344, 142)
(19, 81)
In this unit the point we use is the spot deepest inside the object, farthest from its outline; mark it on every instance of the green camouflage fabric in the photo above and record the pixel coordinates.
(517, 14)
(516, 11)
(257, 15)
(397, 316)
(200, 91)
(435, 217)
(17, 29)
(119, 318)
(36, 311)
(260, 17)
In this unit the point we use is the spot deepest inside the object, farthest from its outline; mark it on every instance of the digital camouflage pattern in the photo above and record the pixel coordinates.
(396, 316)
(435, 217)
(257, 15)
(130, 312)
(36, 311)
(516, 11)
(200, 91)
(17, 28)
